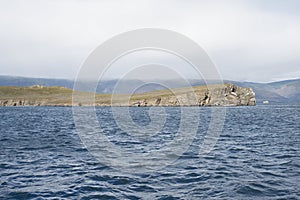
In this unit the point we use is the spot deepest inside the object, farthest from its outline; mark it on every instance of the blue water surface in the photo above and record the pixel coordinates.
(257, 156)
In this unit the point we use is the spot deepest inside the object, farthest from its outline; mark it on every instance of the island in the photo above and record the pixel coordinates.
(213, 95)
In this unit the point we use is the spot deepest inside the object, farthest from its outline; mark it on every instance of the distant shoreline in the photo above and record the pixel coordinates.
(213, 95)
(278, 92)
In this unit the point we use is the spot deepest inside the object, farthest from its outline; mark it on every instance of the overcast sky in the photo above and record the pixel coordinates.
(251, 40)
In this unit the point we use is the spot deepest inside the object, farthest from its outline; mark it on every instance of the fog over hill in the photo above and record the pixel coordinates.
(287, 91)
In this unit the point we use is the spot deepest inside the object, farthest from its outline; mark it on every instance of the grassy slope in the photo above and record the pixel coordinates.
(61, 95)
(54, 95)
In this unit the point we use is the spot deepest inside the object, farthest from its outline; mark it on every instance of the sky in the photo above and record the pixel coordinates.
(248, 40)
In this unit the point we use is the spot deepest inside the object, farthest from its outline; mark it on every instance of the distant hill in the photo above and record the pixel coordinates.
(25, 81)
(280, 92)
(287, 91)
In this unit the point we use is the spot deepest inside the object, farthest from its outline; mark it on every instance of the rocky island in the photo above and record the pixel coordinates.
(214, 95)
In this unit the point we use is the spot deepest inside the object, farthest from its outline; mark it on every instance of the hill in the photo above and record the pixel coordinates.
(215, 95)
(287, 91)
(280, 92)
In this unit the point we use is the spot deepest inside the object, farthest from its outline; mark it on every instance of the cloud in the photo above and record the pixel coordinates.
(248, 40)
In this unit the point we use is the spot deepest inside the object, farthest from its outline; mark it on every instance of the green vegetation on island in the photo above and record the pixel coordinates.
(214, 95)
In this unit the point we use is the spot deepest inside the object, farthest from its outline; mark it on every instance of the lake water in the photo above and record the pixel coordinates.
(257, 156)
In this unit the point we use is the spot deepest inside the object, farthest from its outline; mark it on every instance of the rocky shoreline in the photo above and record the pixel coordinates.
(218, 95)
(225, 95)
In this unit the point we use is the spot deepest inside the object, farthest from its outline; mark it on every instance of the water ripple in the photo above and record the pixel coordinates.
(256, 157)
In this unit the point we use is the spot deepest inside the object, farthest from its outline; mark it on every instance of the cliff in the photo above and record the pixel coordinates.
(215, 95)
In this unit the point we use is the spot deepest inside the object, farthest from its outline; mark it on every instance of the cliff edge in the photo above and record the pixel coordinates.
(214, 95)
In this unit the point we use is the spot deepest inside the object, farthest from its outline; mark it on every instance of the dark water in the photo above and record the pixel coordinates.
(256, 157)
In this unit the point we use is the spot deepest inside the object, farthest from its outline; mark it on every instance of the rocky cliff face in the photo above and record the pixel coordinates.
(17, 102)
(26, 102)
(221, 95)
(229, 95)
(217, 95)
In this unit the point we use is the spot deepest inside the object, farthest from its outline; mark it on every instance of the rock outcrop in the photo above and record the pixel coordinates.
(215, 95)
(229, 95)
(22, 102)
(220, 95)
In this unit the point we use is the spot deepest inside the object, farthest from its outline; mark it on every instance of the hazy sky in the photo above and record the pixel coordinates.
(251, 40)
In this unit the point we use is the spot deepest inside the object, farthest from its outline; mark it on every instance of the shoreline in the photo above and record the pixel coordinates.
(202, 96)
